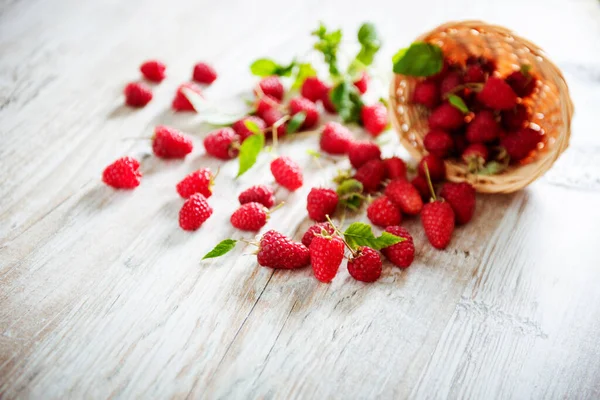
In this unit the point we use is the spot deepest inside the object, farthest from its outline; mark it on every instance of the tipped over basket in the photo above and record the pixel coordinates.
(550, 104)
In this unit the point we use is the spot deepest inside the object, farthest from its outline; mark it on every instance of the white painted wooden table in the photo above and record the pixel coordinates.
(102, 295)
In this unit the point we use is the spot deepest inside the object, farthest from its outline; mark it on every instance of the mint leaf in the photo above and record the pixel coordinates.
(350, 194)
(223, 247)
(457, 102)
(285, 70)
(252, 127)
(420, 59)
(369, 42)
(361, 234)
(328, 45)
(249, 151)
(304, 71)
(296, 122)
(263, 67)
(346, 99)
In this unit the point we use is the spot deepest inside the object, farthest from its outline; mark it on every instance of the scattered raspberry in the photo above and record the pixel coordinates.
(272, 117)
(240, 128)
(153, 70)
(200, 181)
(382, 212)
(475, 156)
(366, 265)
(519, 144)
(137, 94)
(483, 128)
(438, 142)
(404, 195)
(328, 104)
(437, 218)
(450, 82)
(170, 143)
(314, 230)
(181, 102)
(299, 104)
(222, 144)
(362, 151)
(461, 197)
(374, 118)
(515, 118)
(204, 73)
(313, 89)
(335, 138)
(446, 117)
(436, 166)
(287, 173)
(420, 183)
(521, 82)
(278, 251)
(370, 174)
(262, 194)
(497, 94)
(250, 217)
(271, 86)
(326, 255)
(320, 203)
(400, 254)
(194, 212)
(427, 94)
(123, 173)
(395, 168)
(362, 84)
(266, 103)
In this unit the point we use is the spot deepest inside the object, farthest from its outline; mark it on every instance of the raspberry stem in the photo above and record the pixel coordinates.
(341, 235)
(429, 181)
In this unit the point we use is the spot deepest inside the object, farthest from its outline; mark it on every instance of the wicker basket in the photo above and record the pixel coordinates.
(550, 103)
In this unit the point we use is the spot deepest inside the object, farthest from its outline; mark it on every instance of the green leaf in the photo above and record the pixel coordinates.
(304, 71)
(370, 44)
(287, 70)
(222, 248)
(350, 194)
(347, 101)
(457, 102)
(252, 127)
(264, 67)
(313, 153)
(361, 234)
(398, 56)
(420, 59)
(328, 45)
(493, 168)
(296, 122)
(249, 151)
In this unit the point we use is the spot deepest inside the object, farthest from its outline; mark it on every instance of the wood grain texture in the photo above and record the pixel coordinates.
(103, 296)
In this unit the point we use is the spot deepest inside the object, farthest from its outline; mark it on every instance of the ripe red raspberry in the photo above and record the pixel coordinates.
(260, 194)
(400, 254)
(335, 138)
(200, 181)
(382, 212)
(395, 168)
(287, 173)
(320, 203)
(475, 156)
(515, 118)
(519, 144)
(488, 66)
(266, 103)
(298, 104)
(123, 173)
(313, 89)
(366, 265)
(483, 128)
(314, 230)
(404, 195)
(450, 82)
(426, 93)
(362, 84)
(422, 187)
(278, 251)
(204, 73)
(326, 255)
(181, 102)
(436, 166)
(446, 117)
(438, 142)
(250, 217)
(242, 130)
(474, 74)
(222, 144)
(362, 151)
(522, 83)
(194, 212)
(137, 94)
(271, 86)
(461, 197)
(370, 174)
(497, 94)
(437, 218)
(272, 117)
(170, 143)
(374, 118)
(153, 70)
(327, 103)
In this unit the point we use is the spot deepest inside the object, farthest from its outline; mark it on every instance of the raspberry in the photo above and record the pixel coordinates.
(259, 194)
(137, 94)
(123, 173)
(370, 174)
(153, 70)
(271, 86)
(362, 84)
(446, 117)
(359, 152)
(437, 218)
(450, 82)
(327, 103)
(497, 94)
(460, 144)
(200, 181)
(335, 138)
(250, 217)
(299, 104)
(474, 74)
(287, 173)
(488, 66)
(222, 144)
(438, 142)
(374, 118)
(395, 168)
(320, 203)
(427, 94)
(436, 166)
(266, 103)
(483, 128)
(519, 144)
(204, 73)
(366, 265)
(278, 251)
(181, 102)
(313, 89)
(382, 212)
(194, 212)
(404, 195)
(326, 255)
(271, 117)
(314, 230)
(461, 197)
(522, 83)
(422, 187)
(170, 143)
(242, 130)
(515, 118)
(475, 156)
(400, 254)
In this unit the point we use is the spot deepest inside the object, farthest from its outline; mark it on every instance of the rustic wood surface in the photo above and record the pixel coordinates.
(103, 296)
